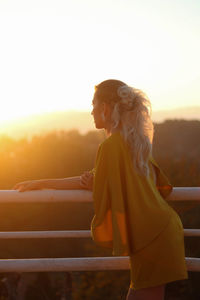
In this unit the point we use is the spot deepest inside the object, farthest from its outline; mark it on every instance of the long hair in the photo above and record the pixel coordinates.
(131, 115)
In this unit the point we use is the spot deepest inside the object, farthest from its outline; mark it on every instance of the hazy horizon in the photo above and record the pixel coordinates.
(37, 124)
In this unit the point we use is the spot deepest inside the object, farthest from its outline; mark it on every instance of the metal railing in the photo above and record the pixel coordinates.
(76, 264)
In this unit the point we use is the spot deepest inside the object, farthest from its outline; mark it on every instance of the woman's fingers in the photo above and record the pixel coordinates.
(83, 185)
(86, 175)
(26, 186)
(87, 180)
(15, 187)
(84, 181)
(20, 185)
(21, 188)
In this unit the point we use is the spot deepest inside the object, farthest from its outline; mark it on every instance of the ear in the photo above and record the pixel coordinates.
(106, 109)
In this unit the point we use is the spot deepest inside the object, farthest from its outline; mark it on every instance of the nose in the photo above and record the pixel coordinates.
(92, 112)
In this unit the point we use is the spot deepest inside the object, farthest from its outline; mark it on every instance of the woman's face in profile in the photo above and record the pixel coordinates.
(97, 112)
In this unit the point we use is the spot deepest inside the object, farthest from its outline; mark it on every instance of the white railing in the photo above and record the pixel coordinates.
(76, 264)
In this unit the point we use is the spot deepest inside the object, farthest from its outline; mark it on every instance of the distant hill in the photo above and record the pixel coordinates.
(177, 139)
(186, 113)
(83, 121)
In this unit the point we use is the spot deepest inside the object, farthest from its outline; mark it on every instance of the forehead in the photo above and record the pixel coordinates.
(94, 100)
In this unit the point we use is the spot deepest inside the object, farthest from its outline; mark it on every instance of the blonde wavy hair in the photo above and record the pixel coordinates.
(131, 115)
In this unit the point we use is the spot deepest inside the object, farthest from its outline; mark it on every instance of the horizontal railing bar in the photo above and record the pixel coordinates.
(65, 234)
(45, 196)
(184, 194)
(191, 232)
(51, 196)
(193, 264)
(76, 264)
(45, 234)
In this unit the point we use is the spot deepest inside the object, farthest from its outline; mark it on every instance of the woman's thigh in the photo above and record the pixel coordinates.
(153, 293)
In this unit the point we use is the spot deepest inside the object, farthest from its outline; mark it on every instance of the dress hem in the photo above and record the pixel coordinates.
(146, 284)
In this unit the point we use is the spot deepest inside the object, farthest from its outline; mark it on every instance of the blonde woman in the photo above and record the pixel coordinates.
(131, 216)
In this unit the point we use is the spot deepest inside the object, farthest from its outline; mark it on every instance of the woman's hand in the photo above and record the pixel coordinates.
(28, 185)
(87, 180)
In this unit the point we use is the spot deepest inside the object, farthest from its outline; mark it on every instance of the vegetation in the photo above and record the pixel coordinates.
(63, 154)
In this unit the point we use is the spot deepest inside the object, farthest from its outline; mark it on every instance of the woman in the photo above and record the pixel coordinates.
(131, 216)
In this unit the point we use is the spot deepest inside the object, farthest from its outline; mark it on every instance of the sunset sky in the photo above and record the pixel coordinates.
(52, 52)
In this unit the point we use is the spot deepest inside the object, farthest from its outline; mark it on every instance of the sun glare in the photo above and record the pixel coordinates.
(51, 61)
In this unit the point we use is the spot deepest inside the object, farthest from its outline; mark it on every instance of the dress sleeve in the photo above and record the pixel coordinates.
(101, 226)
(162, 182)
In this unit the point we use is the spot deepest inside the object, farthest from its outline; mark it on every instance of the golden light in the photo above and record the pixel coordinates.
(51, 58)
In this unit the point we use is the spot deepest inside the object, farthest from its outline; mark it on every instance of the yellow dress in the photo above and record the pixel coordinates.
(133, 219)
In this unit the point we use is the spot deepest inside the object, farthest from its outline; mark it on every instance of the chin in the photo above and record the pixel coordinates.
(98, 125)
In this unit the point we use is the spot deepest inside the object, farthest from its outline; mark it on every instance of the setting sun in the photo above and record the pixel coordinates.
(53, 53)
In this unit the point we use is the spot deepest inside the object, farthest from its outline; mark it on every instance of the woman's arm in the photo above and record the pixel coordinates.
(84, 181)
(70, 183)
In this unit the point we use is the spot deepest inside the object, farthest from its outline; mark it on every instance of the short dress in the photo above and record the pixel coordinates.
(162, 261)
(133, 219)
